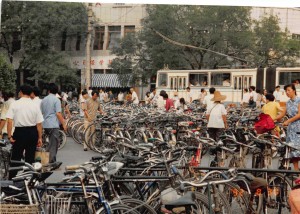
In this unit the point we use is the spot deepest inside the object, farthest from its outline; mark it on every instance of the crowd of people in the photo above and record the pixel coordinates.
(24, 120)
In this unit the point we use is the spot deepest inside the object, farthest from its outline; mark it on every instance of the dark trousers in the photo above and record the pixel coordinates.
(214, 133)
(53, 143)
(26, 140)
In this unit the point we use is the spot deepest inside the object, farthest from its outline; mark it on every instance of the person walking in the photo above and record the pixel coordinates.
(208, 98)
(135, 99)
(90, 109)
(253, 97)
(216, 116)
(53, 117)
(293, 123)
(35, 96)
(9, 99)
(203, 93)
(246, 98)
(277, 93)
(27, 118)
(84, 96)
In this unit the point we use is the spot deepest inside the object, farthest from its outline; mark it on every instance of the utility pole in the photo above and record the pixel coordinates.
(88, 47)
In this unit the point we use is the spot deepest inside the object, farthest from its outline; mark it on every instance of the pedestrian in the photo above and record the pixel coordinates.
(8, 100)
(169, 102)
(203, 93)
(83, 98)
(293, 123)
(101, 95)
(253, 97)
(246, 98)
(52, 111)
(216, 116)
(35, 96)
(176, 100)
(182, 104)
(90, 91)
(258, 98)
(121, 98)
(273, 109)
(208, 98)
(147, 98)
(277, 93)
(135, 99)
(263, 99)
(189, 95)
(154, 97)
(110, 96)
(27, 118)
(90, 108)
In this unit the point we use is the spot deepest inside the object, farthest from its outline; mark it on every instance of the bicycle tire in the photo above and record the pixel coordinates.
(141, 206)
(62, 139)
(117, 209)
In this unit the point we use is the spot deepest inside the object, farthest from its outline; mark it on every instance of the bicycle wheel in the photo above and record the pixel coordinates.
(62, 139)
(279, 187)
(141, 206)
(118, 209)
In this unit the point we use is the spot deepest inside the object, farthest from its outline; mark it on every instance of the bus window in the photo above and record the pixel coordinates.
(198, 79)
(288, 77)
(220, 79)
(162, 80)
(171, 83)
(184, 83)
(235, 82)
(180, 83)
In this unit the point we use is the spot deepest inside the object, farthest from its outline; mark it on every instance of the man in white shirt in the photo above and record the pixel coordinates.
(246, 98)
(90, 91)
(121, 97)
(154, 97)
(135, 99)
(82, 100)
(253, 96)
(277, 93)
(35, 96)
(9, 97)
(28, 118)
(207, 99)
(189, 97)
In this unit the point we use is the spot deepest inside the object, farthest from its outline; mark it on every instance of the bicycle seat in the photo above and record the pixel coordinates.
(257, 183)
(187, 200)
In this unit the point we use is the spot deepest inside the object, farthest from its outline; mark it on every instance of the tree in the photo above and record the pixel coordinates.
(274, 46)
(7, 76)
(222, 29)
(38, 28)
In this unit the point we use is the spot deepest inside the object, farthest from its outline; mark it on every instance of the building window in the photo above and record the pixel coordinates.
(99, 38)
(296, 36)
(114, 37)
(98, 71)
(108, 71)
(288, 77)
(162, 80)
(198, 80)
(129, 29)
(16, 41)
(63, 41)
(78, 40)
(220, 79)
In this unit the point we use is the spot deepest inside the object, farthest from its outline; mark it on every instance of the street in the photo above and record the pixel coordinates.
(71, 154)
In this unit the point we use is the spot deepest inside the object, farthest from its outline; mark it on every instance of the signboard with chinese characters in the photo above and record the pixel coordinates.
(97, 62)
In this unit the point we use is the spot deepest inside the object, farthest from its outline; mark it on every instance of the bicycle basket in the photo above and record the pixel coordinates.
(57, 205)
(18, 209)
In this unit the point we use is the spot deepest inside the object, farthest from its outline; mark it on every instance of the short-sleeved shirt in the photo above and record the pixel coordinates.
(272, 109)
(135, 97)
(4, 111)
(215, 112)
(92, 107)
(25, 113)
(37, 101)
(169, 104)
(50, 106)
(207, 101)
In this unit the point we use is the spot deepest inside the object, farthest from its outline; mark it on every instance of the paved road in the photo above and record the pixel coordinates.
(71, 154)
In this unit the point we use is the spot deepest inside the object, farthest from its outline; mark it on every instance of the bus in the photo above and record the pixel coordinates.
(230, 82)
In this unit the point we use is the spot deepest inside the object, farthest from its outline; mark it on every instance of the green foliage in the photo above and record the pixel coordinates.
(274, 47)
(40, 26)
(7, 76)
